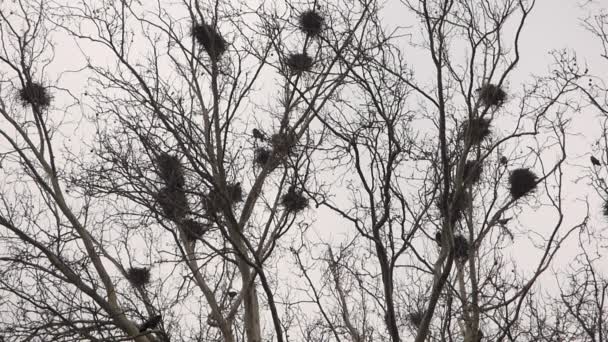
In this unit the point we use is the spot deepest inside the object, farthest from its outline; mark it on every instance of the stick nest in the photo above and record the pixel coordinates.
(138, 276)
(173, 202)
(194, 229)
(472, 172)
(262, 156)
(210, 39)
(522, 182)
(294, 201)
(170, 170)
(283, 143)
(415, 317)
(492, 95)
(458, 206)
(311, 23)
(35, 94)
(215, 200)
(461, 247)
(478, 129)
(299, 62)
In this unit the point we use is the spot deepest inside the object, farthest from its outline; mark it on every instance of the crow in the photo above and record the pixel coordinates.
(232, 293)
(257, 134)
(594, 161)
(438, 238)
(151, 323)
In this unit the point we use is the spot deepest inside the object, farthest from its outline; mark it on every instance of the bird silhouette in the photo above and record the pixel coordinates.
(503, 160)
(151, 323)
(257, 134)
(595, 161)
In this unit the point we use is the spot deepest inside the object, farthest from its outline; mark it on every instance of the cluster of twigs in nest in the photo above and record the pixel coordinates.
(215, 200)
(522, 182)
(194, 229)
(35, 94)
(283, 143)
(461, 247)
(210, 39)
(173, 202)
(170, 170)
(491, 95)
(458, 205)
(311, 23)
(299, 62)
(262, 156)
(477, 129)
(138, 276)
(415, 317)
(294, 201)
(472, 171)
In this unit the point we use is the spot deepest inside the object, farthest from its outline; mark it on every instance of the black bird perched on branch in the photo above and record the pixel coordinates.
(257, 134)
(151, 323)
(594, 161)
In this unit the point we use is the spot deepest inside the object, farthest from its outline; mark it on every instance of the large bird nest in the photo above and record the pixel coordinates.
(461, 247)
(138, 276)
(210, 39)
(262, 156)
(415, 317)
(299, 62)
(478, 129)
(458, 206)
(294, 201)
(311, 23)
(491, 95)
(472, 171)
(283, 143)
(35, 94)
(522, 182)
(215, 200)
(173, 202)
(194, 229)
(170, 170)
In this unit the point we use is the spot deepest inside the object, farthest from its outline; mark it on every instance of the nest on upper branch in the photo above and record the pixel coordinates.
(458, 206)
(522, 182)
(491, 95)
(151, 323)
(194, 229)
(262, 156)
(170, 170)
(461, 247)
(173, 202)
(215, 200)
(478, 129)
(472, 171)
(283, 143)
(415, 317)
(294, 201)
(210, 39)
(311, 23)
(35, 94)
(138, 276)
(299, 62)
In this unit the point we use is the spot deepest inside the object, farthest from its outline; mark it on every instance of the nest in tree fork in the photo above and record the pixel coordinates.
(522, 182)
(415, 317)
(215, 200)
(458, 206)
(299, 62)
(283, 143)
(472, 171)
(194, 229)
(173, 202)
(461, 247)
(311, 23)
(138, 276)
(478, 129)
(492, 95)
(294, 201)
(211, 40)
(170, 170)
(262, 156)
(35, 94)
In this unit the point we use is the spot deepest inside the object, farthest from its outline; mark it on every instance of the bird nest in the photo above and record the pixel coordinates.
(491, 95)
(138, 276)
(170, 170)
(472, 171)
(299, 62)
(294, 201)
(35, 94)
(210, 39)
(194, 229)
(415, 317)
(283, 143)
(311, 23)
(478, 129)
(173, 202)
(262, 156)
(458, 206)
(522, 182)
(461, 247)
(215, 200)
